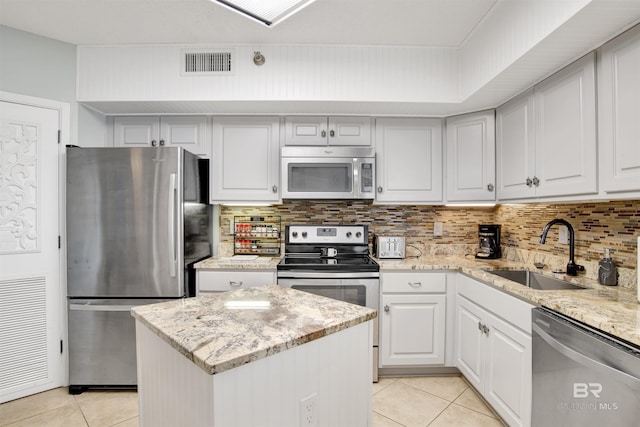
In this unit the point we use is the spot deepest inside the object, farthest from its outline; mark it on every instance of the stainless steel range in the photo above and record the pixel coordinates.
(333, 261)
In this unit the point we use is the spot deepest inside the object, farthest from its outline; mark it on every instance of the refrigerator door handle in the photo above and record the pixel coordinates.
(86, 307)
(172, 225)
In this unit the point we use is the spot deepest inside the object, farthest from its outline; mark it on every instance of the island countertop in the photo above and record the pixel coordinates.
(223, 331)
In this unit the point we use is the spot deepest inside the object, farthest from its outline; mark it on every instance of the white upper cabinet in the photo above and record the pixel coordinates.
(619, 113)
(565, 117)
(245, 159)
(546, 138)
(189, 132)
(409, 160)
(321, 130)
(515, 141)
(471, 150)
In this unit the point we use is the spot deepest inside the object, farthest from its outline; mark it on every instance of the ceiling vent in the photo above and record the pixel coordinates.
(207, 62)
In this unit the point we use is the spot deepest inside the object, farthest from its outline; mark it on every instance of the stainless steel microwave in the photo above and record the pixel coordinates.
(328, 172)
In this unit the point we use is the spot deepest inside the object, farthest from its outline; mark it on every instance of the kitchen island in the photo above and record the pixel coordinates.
(267, 356)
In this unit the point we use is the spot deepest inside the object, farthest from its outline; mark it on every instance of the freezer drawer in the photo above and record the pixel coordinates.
(102, 343)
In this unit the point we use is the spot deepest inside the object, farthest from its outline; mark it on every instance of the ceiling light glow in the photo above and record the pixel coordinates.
(268, 12)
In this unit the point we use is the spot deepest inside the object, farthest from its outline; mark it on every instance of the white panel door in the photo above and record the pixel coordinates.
(565, 115)
(305, 130)
(189, 132)
(246, 154)
(619, 113)
(409, 160)
(350, 131)
(413, 330)
(515, 148)
(508, 381)
(136, 131)
(30, 294)
(470, 342)
(471, 157)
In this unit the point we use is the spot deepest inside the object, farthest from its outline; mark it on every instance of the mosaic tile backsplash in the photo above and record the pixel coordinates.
(597, 226)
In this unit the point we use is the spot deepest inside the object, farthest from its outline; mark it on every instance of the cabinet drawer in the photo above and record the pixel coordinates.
(414, 282)
(220, 281)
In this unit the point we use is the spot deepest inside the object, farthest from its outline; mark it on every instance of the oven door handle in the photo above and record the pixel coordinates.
(591, 363)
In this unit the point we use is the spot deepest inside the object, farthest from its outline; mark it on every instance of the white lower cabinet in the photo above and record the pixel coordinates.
(413, 319)
(493, 348)
(214, 281)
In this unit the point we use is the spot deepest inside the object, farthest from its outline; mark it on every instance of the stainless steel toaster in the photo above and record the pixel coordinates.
(388, 247)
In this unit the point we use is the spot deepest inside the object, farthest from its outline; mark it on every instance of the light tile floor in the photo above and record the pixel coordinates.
(412, 401)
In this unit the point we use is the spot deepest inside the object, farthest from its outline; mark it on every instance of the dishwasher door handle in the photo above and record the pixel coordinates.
(587, 361)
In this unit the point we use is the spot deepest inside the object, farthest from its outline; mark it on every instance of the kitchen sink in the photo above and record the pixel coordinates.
(535, 280)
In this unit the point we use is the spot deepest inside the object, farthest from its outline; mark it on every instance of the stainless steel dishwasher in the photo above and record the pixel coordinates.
(581, 376)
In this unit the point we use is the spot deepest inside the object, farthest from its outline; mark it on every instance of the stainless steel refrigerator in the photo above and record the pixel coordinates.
(137, 221)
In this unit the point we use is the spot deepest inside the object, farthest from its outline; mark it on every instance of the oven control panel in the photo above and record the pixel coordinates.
(351, 234)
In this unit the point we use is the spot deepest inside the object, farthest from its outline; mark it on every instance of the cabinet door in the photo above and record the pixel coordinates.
(619, 113)
(508, 382)
(515, 139)
(470, 342)
(209, 281)
(350, 130)
(409, 160)
(471, 157)
(565, 111)
(305, 130)
(412, 330)
(189, 132)
(136, 131)
(245, 164)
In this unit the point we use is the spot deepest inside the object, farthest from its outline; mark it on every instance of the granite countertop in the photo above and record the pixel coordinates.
(223, 331)
(221, 263)
(612, 309)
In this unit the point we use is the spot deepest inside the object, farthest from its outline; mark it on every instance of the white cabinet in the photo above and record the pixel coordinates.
(245, 159)
(213, 281)
(471, 157)
(619, 113)
(493, 348)
(320, 130)
(546, 138)
(413, 317)
(190, 132)
(409, 160)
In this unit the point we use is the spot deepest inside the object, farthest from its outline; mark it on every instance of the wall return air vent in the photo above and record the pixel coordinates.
(207, 62)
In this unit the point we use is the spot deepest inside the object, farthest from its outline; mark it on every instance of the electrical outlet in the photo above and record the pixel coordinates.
(308, 415)
(563, 235)
(437, 229)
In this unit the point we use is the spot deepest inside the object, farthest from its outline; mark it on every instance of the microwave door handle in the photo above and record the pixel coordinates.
(356, 178)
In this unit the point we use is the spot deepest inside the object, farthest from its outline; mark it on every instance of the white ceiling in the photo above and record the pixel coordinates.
(446, 23)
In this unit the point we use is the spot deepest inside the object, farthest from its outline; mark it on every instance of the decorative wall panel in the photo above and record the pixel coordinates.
(19, 215)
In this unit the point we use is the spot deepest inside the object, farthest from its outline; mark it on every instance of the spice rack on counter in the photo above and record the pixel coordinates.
(257, 235)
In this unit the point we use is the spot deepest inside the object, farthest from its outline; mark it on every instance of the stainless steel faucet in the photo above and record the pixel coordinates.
(572, 267)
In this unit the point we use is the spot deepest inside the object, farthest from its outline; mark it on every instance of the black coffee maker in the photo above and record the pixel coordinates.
(489, 241)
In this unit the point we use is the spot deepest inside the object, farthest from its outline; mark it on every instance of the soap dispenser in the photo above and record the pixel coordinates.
(607, 274)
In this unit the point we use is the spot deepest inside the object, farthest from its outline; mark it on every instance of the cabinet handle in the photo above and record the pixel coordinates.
(274, 188)
(332, 133)
(232, 283)
(162, 142)
(536, 181)
(479, 326)
(379, 189)
(323, 133)
(154, 143)
(386, 308)
(485, 329)
(490, 187)
(415, 284)
(529, 182)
